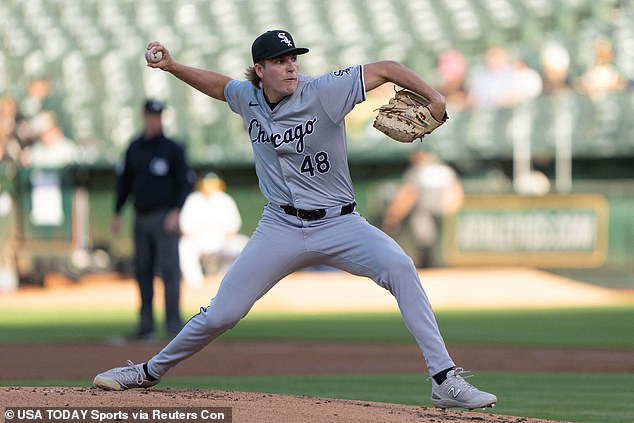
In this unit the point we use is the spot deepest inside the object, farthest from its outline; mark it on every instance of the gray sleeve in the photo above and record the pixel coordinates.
(340, 91)
(234, 91)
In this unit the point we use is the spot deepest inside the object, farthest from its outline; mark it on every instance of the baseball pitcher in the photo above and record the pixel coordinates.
(295, 124)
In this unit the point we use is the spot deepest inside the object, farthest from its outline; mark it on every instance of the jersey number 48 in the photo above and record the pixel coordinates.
(317, 163)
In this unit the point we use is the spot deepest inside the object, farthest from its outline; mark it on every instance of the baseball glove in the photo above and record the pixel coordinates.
(407, 117)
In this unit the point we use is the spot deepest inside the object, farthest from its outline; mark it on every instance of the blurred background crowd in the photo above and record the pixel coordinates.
(81, 65)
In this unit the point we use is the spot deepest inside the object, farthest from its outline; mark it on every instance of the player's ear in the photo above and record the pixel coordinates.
(259, 69)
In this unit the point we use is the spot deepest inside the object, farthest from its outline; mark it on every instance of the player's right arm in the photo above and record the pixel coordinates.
(208, 82)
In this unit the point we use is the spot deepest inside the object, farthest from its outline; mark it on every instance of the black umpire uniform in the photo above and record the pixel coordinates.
(156, 175)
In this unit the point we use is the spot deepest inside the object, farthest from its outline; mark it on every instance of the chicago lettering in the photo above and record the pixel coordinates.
(296, 133)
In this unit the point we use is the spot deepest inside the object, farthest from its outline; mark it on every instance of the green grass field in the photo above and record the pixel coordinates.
(579, 397)
(582, 328)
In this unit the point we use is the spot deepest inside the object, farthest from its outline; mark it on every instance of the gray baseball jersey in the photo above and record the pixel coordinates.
(301, 160)
(300, 146)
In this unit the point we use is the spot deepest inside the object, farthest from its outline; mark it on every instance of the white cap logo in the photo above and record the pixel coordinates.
(282, 36)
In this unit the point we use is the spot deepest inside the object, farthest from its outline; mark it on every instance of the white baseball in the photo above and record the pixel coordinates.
(153, 57)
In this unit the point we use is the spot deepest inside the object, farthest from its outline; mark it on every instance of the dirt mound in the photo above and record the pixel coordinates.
(245, 407)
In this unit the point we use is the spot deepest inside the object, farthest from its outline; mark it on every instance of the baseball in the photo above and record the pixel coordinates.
(153, 57)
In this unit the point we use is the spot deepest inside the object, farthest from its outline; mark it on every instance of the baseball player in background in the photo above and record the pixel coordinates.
(209, 222)
(295, 124)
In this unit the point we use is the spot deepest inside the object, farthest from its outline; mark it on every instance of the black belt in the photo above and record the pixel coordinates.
(316, 214)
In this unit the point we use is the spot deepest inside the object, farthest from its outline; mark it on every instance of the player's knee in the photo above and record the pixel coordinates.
(221, 319)
(399, 264)
(397, 268)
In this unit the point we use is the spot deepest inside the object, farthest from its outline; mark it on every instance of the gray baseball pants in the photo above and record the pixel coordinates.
(283, 244)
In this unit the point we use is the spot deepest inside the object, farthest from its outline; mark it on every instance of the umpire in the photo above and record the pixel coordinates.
(155, 174)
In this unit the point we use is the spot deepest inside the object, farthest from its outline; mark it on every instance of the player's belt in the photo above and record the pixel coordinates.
(318, 213)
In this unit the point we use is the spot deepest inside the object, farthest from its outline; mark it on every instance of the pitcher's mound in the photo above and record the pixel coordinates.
(246, 407)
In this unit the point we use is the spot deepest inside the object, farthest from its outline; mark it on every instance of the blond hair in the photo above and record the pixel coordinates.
(253, 77)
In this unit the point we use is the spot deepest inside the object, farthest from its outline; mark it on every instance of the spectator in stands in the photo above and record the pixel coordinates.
(492, 86)
(528, 82)
(52, 148)
(452, 72)
(15, 131)
(602, 77)
(41, 97)
(8, 118)
(209, 222)
(430, 191)
(36, 94)
(555, 62)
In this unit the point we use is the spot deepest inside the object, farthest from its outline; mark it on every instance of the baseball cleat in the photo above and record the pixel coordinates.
(455, 392)
(122, 378)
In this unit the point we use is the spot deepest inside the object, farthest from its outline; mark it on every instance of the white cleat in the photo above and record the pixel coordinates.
(455, 392)
(122, 378)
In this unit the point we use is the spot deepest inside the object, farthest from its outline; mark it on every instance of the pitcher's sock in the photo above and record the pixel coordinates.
(440, 377)
(148, 376)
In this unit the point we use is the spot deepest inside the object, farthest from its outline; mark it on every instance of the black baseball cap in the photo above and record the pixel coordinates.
(274, 43)
(154, 106)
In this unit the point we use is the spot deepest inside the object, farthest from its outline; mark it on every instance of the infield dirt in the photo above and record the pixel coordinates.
(248, 407)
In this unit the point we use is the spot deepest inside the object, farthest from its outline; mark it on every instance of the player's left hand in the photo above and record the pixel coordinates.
(408, 116)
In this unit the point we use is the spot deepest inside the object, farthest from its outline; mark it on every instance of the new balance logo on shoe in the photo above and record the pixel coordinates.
(454, 392)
